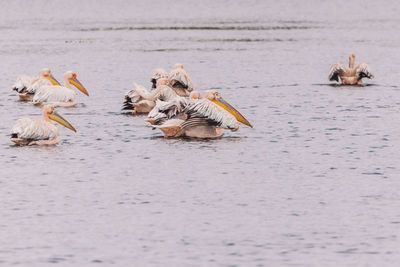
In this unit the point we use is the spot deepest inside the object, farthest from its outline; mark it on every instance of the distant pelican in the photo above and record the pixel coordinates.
(351, 75)
(26, 85)
(60, 95)
(204, 118)
(138, 99)
(179, 80)
(27, 131)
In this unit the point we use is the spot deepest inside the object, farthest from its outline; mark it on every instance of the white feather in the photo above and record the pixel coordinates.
(335, 72)
(137, 93)
(22, 82)
(181, 76)
(363, 70)
(36, 129)
(41, 82)
(54, 94)
(207, 109)
(167, 109)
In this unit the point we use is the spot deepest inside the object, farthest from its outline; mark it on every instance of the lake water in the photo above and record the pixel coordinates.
(315, 183)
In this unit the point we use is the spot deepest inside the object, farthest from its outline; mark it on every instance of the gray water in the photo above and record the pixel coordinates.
(315, 183)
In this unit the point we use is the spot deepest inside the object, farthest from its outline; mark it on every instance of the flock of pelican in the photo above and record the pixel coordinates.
(172, 105)
(46, 91)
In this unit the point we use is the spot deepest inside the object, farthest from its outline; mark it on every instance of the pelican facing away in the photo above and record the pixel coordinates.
(60, 95)
(352, 75)
(26, 85)
(204, 118)
(138, 99)
(179, 80)
(27, 131)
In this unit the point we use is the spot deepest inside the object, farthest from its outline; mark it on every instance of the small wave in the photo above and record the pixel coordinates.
(198, 28)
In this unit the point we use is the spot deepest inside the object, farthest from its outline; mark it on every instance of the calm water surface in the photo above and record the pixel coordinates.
(315, 183)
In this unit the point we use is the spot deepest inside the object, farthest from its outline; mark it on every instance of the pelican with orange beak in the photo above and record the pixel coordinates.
(27, 131)
(60, 95)
(204, 118)
(26, 86)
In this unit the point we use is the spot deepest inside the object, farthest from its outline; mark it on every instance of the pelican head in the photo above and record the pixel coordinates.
(194, 95)
(352, 57)
(46, 73)
(215, 96)
(177, 66)
(49, 112)
(70, 77)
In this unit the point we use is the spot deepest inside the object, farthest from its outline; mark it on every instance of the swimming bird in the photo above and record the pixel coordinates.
(179, 80)
(352, 75)
(204, 118)
(141, 101)
(27, 131)
(60, 95)
(26, 85)
(138, 99)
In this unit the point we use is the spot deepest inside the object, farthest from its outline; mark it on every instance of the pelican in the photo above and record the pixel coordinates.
(27, 131)
(179, 80)
(60, 95)
(204, 118)
(138, 99)
(352, 75)
(26, 85)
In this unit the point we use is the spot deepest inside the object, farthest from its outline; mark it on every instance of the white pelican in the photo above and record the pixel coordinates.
(60, 95)
(26, 85)
(138, 99)
(179, 80)
(204, 118)
(27, 131)
(351, 75)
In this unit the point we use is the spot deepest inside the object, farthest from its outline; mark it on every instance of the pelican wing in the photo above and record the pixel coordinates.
(54, 94)
(335, 72)
(363, 71)
(22, 83)
(164, 93)
(166, 109)
(133, 96)
(180, 76)
(34, 129)
(205, 112)
(41, 82)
